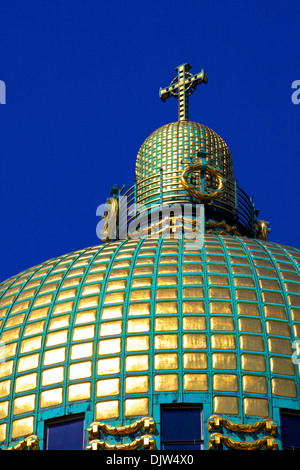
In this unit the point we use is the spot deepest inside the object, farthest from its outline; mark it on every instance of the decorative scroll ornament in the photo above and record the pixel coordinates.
(147, 442)
(198, 168)
(268, 424)
(110, 220)
(30, 442)
(263, 230)
(216, 439)
(228, 228)
(147, 423)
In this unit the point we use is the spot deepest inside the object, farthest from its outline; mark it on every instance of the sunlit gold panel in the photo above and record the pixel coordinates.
(38, 313)
(252, 325)
(142, 282)
(244, 282)
(138, 325)
(80, 370)
(167, 281)
(166, 323)
(218, 280)
(166, 293)
(284, 387)
(63, 307)
(193, 293)
(222, 323)
(278, 328)
(67, 294)
(10, 335)
(24, 404)
(166, 383)
(224, 361)
(195, 382)
(139, 309)
(79, 391)
(111, 328)
(138, 343)
(141, 294)
(110, 346)
(59, 337)
(194, 323)
(116, 285)
(192, 268)
(26, 382)
(25, 305)
(114, 311)
(137, 363)
(91, 289)
(195, 360)
(138, 384)
(223, 341)
(226, 405)
(165, 361)
(225, 382)
(280, 346)
(256, 407)
(109, 366)
(220, 307)
(4, 409)
(252, 343)
(136, 407)
(255, 384)
(54, 356)
(167, 341)
(5, 387)
(52, 397)
(6, 368)
(22, 427)
(83, 332)
(217, 268)
(53, 376)
(142, 270)
(253, 362)
(275, 311)
(194, 280)
(282, 365)
(166, 307)
(108, 387)
(15, 320)
(107, 410)
(34, 328)
(3, 432)
(248, 309)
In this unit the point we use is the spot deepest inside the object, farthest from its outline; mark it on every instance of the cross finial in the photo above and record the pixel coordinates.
(182, 87)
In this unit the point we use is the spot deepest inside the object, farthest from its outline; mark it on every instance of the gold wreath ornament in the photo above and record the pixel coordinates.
(198, 168)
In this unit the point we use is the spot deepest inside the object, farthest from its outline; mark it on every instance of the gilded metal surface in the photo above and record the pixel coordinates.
(216, 421)
(182, 87)
(262, 229)
(146, 423)
(198, 167)
(30, 442)
(216, 439)
(146, 442)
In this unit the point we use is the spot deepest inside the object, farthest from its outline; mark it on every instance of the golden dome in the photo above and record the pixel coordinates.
(170, 148)
(116, 329)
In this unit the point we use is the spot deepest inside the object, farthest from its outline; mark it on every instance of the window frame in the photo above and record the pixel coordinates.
(288, 412)
(182, 407)
(64, 419)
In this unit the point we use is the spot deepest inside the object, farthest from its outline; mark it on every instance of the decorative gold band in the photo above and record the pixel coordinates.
(216, 439)
(147, 442)
(216, 421)
(147, 423)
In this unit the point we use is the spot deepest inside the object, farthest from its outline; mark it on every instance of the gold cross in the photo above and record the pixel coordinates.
(182, 87)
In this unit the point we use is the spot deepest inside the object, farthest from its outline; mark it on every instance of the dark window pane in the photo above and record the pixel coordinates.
(290, 429)
(66, 435)
(181, 424)
(190, 446)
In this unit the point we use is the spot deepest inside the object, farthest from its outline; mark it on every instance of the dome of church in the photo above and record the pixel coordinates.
(155, 339)
(171, 147)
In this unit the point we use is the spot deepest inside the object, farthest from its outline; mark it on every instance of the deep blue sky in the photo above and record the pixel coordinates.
(82, 80)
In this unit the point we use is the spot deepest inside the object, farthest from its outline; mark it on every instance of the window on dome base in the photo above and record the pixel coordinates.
(65, 433)
(181, 427)
(290, 426)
